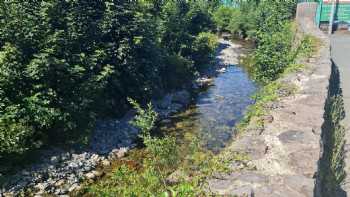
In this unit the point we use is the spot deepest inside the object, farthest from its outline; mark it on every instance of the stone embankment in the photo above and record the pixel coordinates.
(284, 155)
(59, 172)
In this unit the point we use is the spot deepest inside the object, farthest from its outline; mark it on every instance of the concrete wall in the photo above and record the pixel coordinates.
(307, 11)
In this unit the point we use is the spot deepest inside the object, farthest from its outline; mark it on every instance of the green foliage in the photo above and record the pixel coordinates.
(181, 22)
(150, 179)
(266, 95)
(223, 17)
(271, 16)
(175, 66)
(267, 24)
(273, 54)
(149, 176)
(204, 47)
(309, 46)
(65, 63)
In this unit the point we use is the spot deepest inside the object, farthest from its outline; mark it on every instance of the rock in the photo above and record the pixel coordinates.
(87, 168)
(90, 176)
(95, 158)
(62, 191)
(267, 119)
(118, 153)
(8, 194)
(93, 175)
(41, 186)
(204, 82)
(176, 177)
(74, 187)
(98, 173)
(222, 70)
(54, 159)
(66, 156)
(105, 163)
(59, 183)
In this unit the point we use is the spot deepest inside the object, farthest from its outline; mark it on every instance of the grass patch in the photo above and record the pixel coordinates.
(309, 46)
(265, 96)
(162, 170)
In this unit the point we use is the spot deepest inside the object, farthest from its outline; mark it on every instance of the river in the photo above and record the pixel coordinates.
(215, 111)
(211, 118)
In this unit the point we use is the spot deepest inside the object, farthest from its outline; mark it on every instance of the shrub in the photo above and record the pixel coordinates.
(223, 17)
(150, 179)
(15, 137)
(177, 71)
(273, 54)
(204, 48)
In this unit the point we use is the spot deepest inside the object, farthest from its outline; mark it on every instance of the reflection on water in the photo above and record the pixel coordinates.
(215, 111)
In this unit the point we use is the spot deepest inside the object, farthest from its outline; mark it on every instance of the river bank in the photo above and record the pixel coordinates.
(60, 171)
(288, 146)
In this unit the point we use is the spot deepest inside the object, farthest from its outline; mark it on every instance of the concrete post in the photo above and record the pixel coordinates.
(331, 19)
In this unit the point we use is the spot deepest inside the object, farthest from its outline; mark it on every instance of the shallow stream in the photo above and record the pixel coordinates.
(214, 111)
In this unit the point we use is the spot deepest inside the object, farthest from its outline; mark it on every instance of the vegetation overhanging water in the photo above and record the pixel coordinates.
(209, 122)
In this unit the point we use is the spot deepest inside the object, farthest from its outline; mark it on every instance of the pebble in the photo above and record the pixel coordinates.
(74, 187)
(59, 183)
(41, 186)
(90, 175)
(106, 163)
(59, 171)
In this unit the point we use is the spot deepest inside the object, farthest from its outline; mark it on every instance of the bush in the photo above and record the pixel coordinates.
(223, 17)
(15, 137)
(150, 179)
(271, 29)
(204, 48)
(177, 71)
(273, 54)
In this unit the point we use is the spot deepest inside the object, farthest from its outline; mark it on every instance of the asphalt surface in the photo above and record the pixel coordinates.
(340, 42)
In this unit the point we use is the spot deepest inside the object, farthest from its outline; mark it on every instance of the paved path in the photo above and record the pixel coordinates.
(341, 57)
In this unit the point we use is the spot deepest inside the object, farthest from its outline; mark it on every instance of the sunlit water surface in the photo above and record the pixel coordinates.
(215, 111)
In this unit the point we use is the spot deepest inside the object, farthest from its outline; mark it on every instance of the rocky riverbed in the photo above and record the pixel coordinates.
(60, 171)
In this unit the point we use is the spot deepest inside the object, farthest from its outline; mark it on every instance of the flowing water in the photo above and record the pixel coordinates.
(211, 117)
(215, 111)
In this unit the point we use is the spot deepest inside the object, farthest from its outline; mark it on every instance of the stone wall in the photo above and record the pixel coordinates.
(285, 154)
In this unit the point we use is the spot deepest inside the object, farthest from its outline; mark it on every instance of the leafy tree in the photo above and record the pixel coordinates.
(60, 58)
(223, 17)
(203, 48)
(65, 63)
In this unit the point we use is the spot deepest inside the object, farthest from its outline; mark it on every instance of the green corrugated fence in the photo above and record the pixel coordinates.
(342, 13)
(231, 3)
